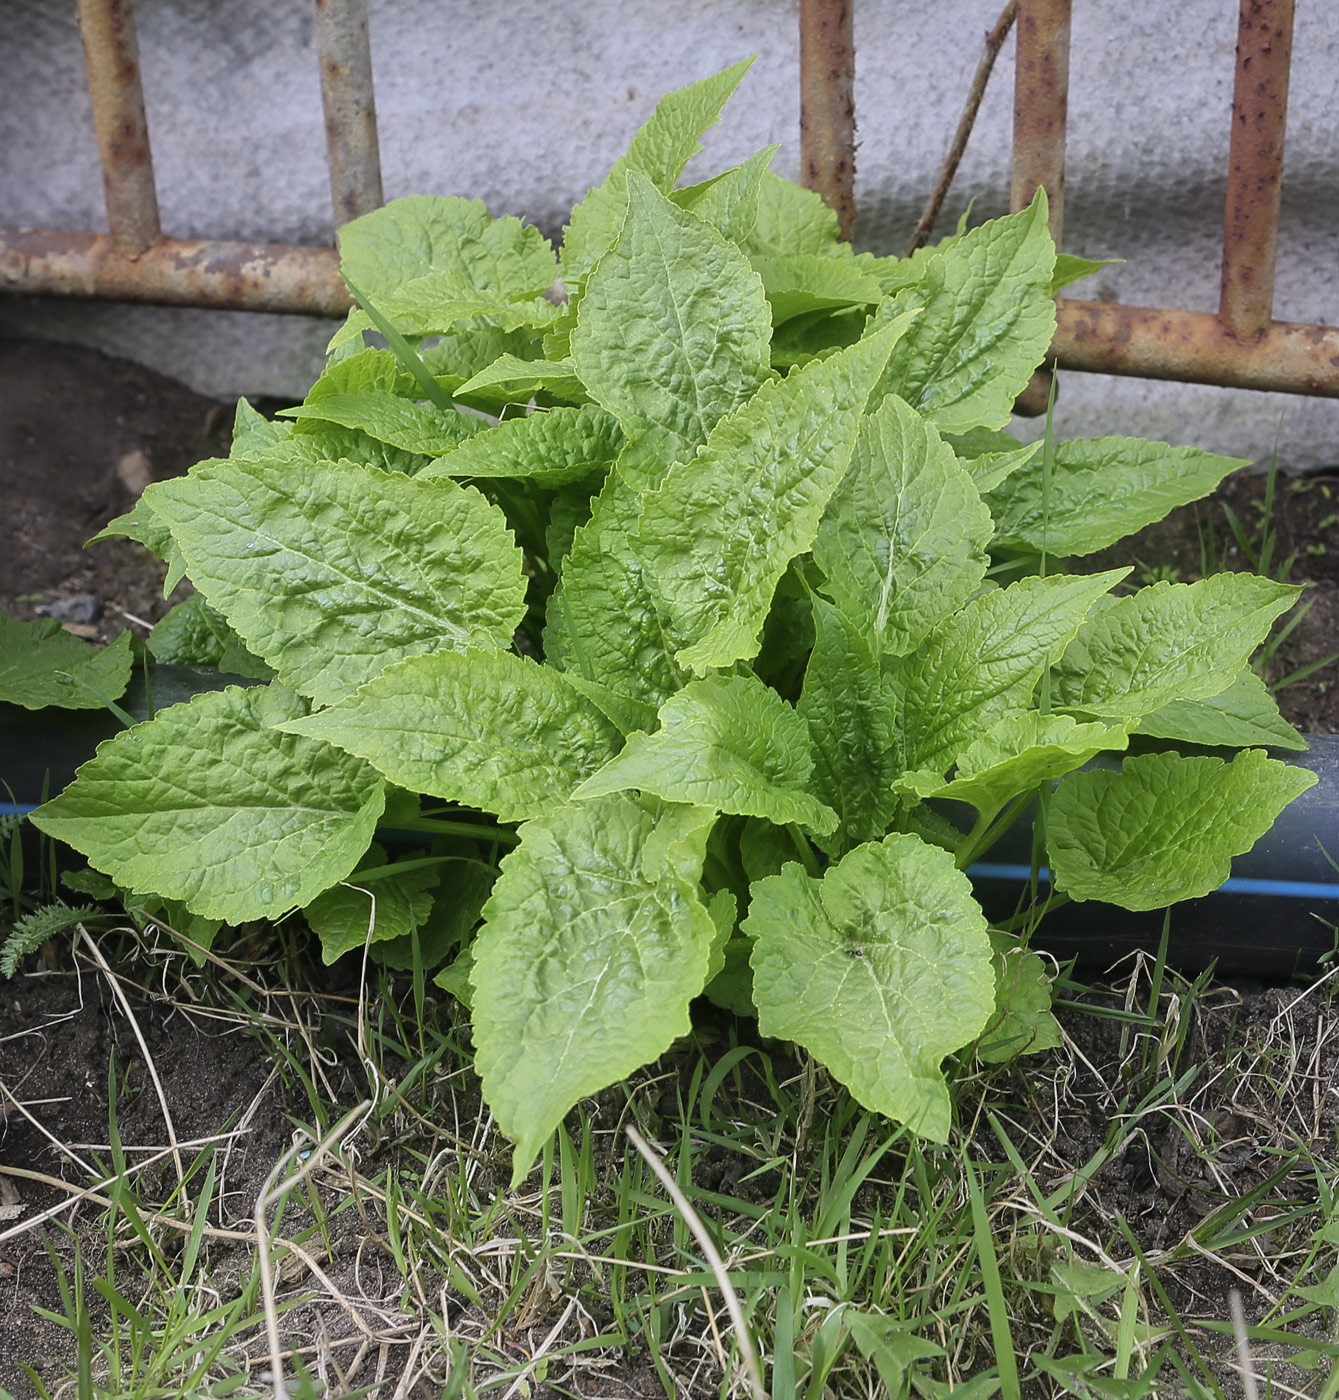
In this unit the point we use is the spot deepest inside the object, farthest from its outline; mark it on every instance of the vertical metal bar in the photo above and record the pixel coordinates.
(111, 55)
(1041, 106)
(1255, 165)
(827, 105)
(350, 113)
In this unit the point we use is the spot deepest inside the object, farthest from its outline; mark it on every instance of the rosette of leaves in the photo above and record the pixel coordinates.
(700, 589)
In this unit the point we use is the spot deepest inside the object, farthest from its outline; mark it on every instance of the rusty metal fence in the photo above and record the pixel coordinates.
(1241, 346)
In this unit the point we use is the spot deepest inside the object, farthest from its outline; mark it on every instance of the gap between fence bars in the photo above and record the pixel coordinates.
(1239, 346)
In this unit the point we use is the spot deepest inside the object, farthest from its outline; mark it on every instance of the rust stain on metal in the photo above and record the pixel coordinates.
(352, 152)
(1041, 106)
(111, 55)
(827, 105)
(1196, 347)
(175, 272)
(1255, 165)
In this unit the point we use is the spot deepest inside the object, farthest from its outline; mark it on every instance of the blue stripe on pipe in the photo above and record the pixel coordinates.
(16, 809)
(1237, 884)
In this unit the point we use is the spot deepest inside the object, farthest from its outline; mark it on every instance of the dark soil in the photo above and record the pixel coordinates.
(80, 434)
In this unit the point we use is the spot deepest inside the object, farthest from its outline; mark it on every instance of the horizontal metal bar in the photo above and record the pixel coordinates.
(111, 55)
(1255, 164)
(175, 272)
(1195, 346)
(827, 106)
(350, 113)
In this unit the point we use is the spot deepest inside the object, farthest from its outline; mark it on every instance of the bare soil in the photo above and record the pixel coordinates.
(79, 435)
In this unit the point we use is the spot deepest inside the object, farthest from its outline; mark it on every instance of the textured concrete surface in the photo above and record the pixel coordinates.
(526, 105)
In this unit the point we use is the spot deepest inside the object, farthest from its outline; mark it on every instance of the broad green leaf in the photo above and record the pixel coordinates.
(1170, 641)
(989, 469)
(879, 969)
(660, 150)
(729, 201)
(1100, 490)
(549, 447)
(1017, 754)
(1166, 827)
(902, 542)
(983, 663)
(723, 907)
(208, 803)
(1069, 269)
(791, 221)
(485, 729)
(728, 743)
(332, 571)
(586, 963)
(145, 527)
(409, 238)
(357, 910)
(439, 301)
(625, 713)
(987, 320)
(1022, 1023)
(798, 283)
(851, 729)
(194, 634)
(41, 664)
(414, 427)
(253, 432)
(519, 379)
(602, 622)
(721, 529)
(672, 331)
(1242, 716)
(368, 371)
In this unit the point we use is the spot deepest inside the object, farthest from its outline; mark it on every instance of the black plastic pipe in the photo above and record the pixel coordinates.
(1275, 917)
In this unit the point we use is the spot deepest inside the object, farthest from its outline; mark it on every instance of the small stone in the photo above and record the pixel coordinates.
(79, 607)
(134, 472)
(80, 629)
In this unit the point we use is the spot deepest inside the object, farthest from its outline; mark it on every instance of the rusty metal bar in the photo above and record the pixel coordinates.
(1041, 107)
(1195, 346)
(175, 272)
(352, 152)
(827, 106)
(1255, 165)
(111, 54)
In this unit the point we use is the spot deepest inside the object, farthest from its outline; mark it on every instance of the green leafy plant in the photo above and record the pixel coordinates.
(668, 571)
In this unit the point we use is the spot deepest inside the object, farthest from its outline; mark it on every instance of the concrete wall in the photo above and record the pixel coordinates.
(526, 104)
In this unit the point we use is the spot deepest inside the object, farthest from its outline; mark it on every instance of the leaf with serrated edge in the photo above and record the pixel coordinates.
(209, 804)
(798, 283)
(485, 729)
(982, 663)
(521, 378)
(409, 238)
(850, 716)
(41, 664)
(602, 622)
(1014, 756)
(728, 743)
(352, 913)
(550, 449)
(1170, 641)
(1240, 717)
(1166, 827)
(902, 542)
(669, 139)
(672, 330)
(332, 571)
(586, 963)
(721, 529)
(1098, 491)
(879, 970)
(1023, 1023)
(791, 221)
(987, 320)
(729, 201)
(415, 427)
